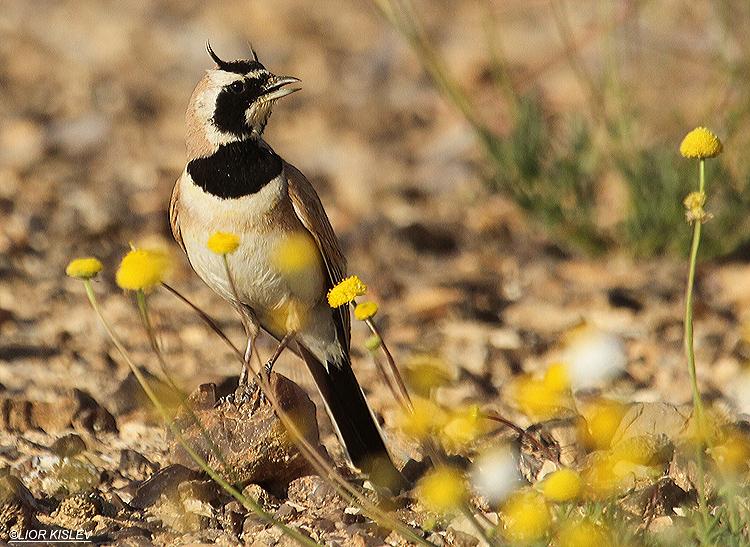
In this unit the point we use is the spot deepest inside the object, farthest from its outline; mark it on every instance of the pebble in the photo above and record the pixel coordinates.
(22, 143)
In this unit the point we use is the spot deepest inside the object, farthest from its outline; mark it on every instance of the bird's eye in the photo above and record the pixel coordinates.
(237, 87)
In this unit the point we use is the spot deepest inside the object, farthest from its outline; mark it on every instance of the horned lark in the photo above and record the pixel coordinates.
(288, 256)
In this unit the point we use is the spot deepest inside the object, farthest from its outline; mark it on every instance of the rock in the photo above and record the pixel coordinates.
(251, 439)
(17, 506)
(658, 499)
(74, 408)
(286, 512)
(434, 240)
(130, 396)
(651, 419)
(75, 510)
(22, 142)
(89, 414)
(164, 482)
(258, 494)
(58, 477)
(135, 466)
(68, 446)
(313, 489)
(562, 441)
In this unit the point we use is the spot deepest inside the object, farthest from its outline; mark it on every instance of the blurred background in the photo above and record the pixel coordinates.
(497, 171)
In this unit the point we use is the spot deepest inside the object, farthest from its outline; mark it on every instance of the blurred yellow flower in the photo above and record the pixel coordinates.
(562, 485)
(142, 269)
(601, 420)
(543, 397)
(84, 268)
(643, 457)
(442, 489)
(223, 243)
(556, 378)
(297, 254)
(526, 518)
(732, 454)
(701, 143)
(423, 373)
(582, 533)
(289, 316)
(365, 310)
(425, 419)
(346, 291)
(463, 427)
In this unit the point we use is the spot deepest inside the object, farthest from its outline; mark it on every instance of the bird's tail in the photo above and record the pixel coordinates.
(354, 421)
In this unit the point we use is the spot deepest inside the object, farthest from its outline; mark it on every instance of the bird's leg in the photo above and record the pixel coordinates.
(251, 330)
(288, 337)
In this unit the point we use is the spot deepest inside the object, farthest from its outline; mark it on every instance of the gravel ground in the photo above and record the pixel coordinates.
(92, 97)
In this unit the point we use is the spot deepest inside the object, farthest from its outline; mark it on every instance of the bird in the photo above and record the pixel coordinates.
(288, 256)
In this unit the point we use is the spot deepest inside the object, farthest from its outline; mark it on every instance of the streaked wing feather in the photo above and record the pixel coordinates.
(174, 217)
(310, 211)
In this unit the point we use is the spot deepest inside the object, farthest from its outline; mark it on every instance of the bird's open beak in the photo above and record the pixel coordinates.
(276, 89)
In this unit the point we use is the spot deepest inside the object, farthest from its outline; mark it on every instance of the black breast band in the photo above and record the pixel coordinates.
(236, 169)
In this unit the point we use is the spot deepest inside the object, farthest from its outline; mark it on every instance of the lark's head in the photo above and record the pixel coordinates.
(232, 102)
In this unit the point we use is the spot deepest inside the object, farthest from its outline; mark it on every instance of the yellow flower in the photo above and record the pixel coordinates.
(562, 485)
(463, 427)
(601, 420)
(543, 397)
(701, 143)
(297, 254)
(223, 243)
(442, 489)
(526, 518)
(346, 291)
(425, 419)
(142, 269)
(643, 457)
(424, 373)
(289, 316)
(582, 533)
(556, 378)
(365, 310)
(732, 455)
(84, 268)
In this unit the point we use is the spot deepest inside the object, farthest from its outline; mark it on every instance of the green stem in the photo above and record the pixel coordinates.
(313, 457)
(698, 410)
(143, 308)
(146, 320)
(250, 504)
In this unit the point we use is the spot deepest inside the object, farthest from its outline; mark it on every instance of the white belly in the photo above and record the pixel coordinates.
(255, 266)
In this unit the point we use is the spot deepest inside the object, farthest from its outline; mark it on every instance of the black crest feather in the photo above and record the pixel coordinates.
(238, 67)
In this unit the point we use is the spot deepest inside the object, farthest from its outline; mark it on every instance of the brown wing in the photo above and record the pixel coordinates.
(310, 211)
(174, 218)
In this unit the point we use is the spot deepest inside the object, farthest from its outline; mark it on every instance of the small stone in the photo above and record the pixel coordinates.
(314, 489)
(437, 540)
(164, 482)
(286, 512)
(17, 506)
(258, 494)
(22, 143)
(68, 446)
(74, 511)
(135, 466)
